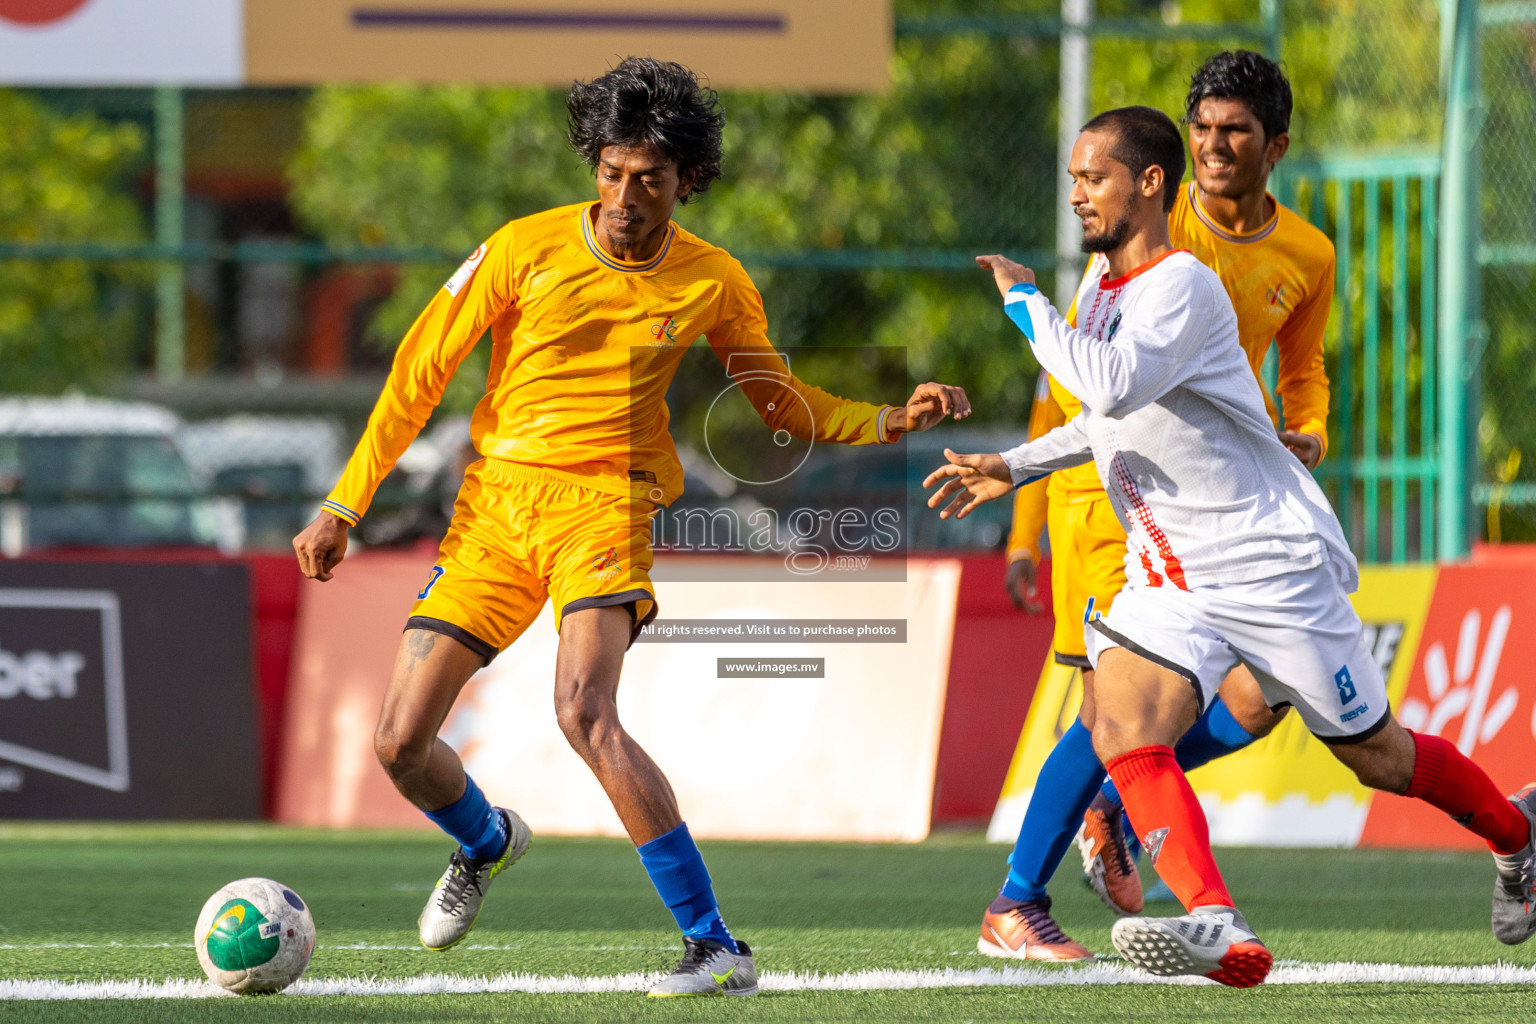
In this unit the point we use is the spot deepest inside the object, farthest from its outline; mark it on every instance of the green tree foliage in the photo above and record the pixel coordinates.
(444, 167)
(62, 178)
(956, 157)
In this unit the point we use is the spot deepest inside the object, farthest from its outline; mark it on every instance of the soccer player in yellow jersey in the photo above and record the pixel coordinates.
(1278, 272)
(590, 308)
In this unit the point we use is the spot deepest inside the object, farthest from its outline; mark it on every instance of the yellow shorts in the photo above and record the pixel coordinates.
(1087, 569)
(521, 536)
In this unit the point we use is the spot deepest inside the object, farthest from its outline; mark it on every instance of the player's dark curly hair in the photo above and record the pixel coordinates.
(1247, 76)
(1143, 137)
(644, 100)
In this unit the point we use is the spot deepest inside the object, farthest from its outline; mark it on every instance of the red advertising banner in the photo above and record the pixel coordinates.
(1472, 685)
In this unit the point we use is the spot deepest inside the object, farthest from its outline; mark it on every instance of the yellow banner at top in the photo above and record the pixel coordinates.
(809, 45)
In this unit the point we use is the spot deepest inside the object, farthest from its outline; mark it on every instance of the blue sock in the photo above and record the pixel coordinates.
(1216, 734)
(479, 827)
(1065, 788)
(677, 871)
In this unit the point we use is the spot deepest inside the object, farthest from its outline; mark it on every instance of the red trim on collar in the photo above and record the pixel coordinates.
(1117, 282)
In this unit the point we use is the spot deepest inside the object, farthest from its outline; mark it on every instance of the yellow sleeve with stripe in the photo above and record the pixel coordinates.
(445, 332)
(1030, 503)
(1303, 381)
(740, 341)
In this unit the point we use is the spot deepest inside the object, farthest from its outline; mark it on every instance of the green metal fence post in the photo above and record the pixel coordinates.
(1269, 17)
(1428, 312)
(1459, 278)
(170, 201)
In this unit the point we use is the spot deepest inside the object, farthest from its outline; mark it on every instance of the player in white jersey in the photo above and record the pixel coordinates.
(1233, 556)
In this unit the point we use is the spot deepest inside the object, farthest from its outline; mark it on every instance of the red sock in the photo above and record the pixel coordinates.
(1170, 824)
(1446, 778)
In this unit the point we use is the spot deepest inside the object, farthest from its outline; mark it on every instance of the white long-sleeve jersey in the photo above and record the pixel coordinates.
(1174, 420)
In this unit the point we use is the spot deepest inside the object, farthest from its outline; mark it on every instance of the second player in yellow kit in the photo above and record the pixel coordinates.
(589, 308)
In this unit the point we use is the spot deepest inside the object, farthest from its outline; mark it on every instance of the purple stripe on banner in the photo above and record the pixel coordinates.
(376, 17)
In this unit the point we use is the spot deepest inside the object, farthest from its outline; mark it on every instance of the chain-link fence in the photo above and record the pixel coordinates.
(1505, 372)
(296, 235)
(1365, 168)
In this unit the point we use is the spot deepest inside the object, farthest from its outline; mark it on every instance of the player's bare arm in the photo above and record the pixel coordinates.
(321, 546)
(971, 480)
(929, 404)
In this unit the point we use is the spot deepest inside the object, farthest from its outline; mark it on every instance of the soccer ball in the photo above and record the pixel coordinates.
(254, 935)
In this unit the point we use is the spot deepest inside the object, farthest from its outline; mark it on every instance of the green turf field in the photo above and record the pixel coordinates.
(87, 903)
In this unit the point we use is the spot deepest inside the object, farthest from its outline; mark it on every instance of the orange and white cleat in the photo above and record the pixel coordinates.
(1107, 859)
(1212, 942)
(1026, 931)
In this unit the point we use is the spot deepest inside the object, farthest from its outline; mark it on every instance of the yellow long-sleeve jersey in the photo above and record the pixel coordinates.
(1280, 281)
(584, 348)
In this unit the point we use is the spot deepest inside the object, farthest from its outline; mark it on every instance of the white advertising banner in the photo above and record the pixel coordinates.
(813, 732)
(122, 42)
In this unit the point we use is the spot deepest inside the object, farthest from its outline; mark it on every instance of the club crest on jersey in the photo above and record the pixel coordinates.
(460, 278)
(1276, 297)
(606, 565)
(664, 331)
(1114, 325)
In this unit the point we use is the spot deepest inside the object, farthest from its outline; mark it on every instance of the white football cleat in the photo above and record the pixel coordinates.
(709, 969)
(1212, 942)
(455, 902)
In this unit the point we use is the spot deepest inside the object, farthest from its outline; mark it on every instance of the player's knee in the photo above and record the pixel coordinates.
(1379, 765)
(584, 715)
(396, 754)
(1261, 722)
(1386, 774)
(1110, 739)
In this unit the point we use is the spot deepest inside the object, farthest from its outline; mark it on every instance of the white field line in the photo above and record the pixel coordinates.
(879, 980)
(415, 947)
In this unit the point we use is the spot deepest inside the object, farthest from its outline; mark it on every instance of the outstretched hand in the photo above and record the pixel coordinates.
(929, 404)
(1005, 272)
(972, 480)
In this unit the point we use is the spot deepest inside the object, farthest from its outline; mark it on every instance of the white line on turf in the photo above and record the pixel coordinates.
(881, 980)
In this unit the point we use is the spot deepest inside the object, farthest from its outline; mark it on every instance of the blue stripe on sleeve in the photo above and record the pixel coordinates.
(341, 510)
(1018, 310)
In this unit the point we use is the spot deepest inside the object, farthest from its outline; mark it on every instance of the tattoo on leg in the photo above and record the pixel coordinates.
(418, 645)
